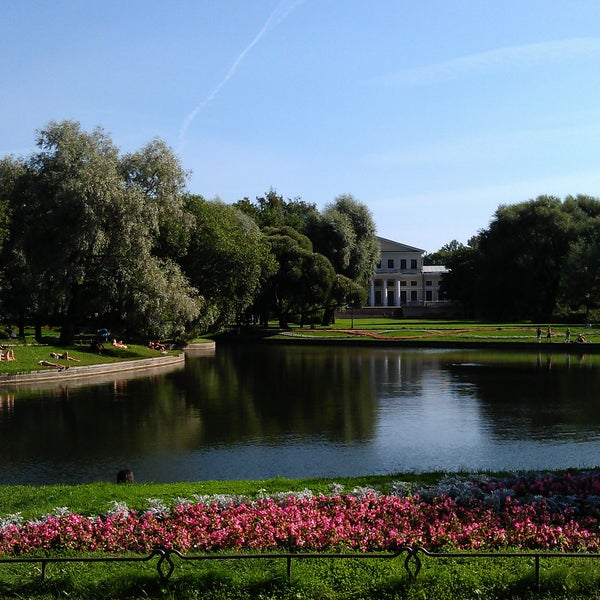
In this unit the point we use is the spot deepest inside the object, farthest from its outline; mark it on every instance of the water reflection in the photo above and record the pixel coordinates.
(267, 411)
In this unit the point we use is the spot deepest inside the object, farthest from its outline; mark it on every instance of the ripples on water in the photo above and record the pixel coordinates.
(261, 412)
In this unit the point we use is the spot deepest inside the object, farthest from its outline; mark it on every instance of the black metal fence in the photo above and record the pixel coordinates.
(412, 563)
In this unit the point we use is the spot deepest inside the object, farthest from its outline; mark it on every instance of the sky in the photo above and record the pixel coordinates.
(432, 113)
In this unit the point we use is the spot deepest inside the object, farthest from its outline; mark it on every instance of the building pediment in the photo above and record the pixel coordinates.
(391, 246)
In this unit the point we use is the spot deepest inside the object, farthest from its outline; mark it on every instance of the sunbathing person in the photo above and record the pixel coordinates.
(63, 356)
(118, 344)
(47, 363)
(7, 355)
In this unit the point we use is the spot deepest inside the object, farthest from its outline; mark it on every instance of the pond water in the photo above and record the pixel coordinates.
(257, 412)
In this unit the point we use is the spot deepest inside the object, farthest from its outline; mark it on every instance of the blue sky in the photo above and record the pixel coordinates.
(432, 113)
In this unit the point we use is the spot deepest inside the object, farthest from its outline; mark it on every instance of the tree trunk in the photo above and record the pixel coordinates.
(328, 314)
(21, 324)
(67, 330)
(38, 329)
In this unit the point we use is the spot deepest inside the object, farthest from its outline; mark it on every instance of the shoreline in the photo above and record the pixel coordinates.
(88, 372)
(295, 339)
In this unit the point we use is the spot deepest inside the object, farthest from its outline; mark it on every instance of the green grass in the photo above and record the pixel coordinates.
(438, 330)
(29, 353)
(324, 579)
(96, 498)
(327, 579)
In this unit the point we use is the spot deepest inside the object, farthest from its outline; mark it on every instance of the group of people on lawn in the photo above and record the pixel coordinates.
(549, 333)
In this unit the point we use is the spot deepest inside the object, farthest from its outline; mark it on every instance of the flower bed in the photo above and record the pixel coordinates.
(558, 512)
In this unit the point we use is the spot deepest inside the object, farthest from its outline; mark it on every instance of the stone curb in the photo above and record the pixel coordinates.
(204, 347)
(91, 370)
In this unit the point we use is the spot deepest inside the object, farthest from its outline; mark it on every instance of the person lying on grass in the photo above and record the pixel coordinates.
(63, 356)
(47, 363)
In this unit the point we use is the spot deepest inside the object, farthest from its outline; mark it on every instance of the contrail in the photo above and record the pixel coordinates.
(528, 55)
(282, 10)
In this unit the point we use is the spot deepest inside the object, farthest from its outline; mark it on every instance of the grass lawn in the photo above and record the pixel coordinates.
(326, 579)
(440, 330)
(28, 352)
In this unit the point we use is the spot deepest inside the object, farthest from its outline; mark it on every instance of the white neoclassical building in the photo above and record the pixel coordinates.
(402, 281)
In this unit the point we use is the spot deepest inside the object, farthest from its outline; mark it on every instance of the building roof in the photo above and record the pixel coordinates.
(435, 269)
(391, 246)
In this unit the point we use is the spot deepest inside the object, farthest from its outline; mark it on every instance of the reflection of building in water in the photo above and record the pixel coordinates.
(7, 403)
(407, 370)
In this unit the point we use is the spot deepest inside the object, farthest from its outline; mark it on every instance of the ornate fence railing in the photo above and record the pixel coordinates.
(412, 563)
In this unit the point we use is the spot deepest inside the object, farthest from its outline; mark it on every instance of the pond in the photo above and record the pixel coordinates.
(263, 411)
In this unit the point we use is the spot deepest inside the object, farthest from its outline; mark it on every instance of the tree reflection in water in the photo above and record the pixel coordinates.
(265, 411)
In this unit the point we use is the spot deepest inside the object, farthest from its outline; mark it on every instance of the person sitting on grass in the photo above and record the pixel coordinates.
(47, 363)
(63, 356)
(97, 346)
(7, 355)
(118, 344)
(157, 346)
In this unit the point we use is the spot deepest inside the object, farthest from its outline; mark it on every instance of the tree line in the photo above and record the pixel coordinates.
(93, 237)
(537, 260)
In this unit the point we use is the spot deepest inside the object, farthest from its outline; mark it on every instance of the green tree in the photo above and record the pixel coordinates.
(463, 282)
(361, 259)
(303, 280)
(345, 293)
(272, 210)
(86, 229)
(16, 280)
(515, 269)
(442, 256)
(346, 234)
(155, 173)
(581, 273)
(228, 259)
(522, 253)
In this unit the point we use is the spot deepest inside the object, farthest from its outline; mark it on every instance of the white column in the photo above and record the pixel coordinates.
(384, 292)
(397, 291)
(372, 293)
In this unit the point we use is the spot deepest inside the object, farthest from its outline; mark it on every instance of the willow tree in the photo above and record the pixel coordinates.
(86, 226)
(346, 234)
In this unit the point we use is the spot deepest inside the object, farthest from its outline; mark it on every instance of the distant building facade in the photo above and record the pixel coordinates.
(401, 281)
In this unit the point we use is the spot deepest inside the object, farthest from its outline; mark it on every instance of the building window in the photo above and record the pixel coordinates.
(413, 263)
(379, 264)
(413, 296)
(428, 283)
(429, 295)
(413, 284)
(403, 263)
(390, 263)
(403, 284)
(403, 297)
